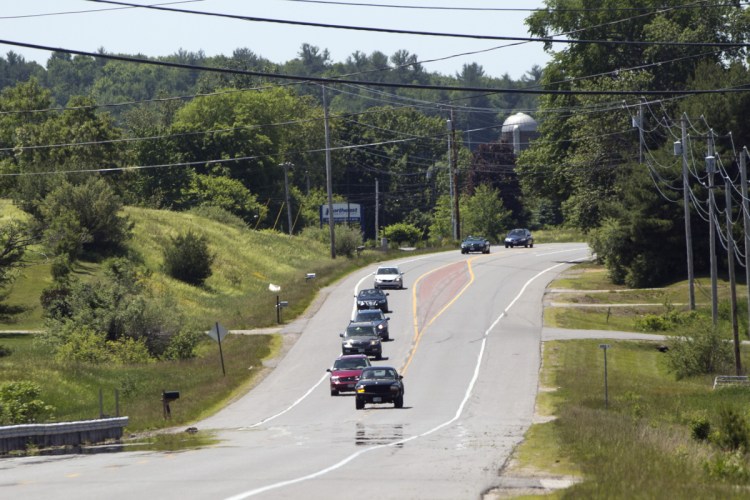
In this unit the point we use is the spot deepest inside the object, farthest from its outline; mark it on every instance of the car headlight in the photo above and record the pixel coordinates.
(334, 378)
(374, 342)
(394, 388)
(348, 343)
(380, 326)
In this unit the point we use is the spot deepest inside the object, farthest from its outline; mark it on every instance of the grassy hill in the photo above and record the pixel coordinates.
(236, 295)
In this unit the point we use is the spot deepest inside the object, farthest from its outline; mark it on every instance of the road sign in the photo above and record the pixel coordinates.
(218, 332)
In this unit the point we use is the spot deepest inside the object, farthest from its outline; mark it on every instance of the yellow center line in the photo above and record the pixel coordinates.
(417, 333)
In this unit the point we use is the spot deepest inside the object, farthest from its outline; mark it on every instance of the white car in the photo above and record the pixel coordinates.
(389, 277)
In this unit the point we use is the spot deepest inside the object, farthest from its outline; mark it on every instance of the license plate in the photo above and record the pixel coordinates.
(361, 350)
(377, 399)
(350, 385)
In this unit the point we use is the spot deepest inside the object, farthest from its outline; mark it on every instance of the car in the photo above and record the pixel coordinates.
(379, 384)
(518, 237)
(377, 318)
(361, 338)
(389, 277)
(475, 244)
(372, 298)
(345, 372)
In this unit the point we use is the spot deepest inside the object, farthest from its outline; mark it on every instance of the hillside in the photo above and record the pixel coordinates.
(237, 293)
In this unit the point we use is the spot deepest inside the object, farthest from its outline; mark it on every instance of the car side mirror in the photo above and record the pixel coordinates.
(387, 293)
(400, 377)
(328, 370)
(341, 335)
(388, 318)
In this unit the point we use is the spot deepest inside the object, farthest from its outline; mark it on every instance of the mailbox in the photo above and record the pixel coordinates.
(169, 396)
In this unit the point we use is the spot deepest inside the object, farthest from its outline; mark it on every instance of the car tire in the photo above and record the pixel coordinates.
(398, 402)
(378, 357)
(506, 245)
(334, 392)
(531, 245)
(359, 404)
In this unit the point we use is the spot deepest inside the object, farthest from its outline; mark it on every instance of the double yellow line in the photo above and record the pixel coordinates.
(417, 333)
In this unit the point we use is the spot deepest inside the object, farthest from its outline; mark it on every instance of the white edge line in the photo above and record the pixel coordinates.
(467, 395)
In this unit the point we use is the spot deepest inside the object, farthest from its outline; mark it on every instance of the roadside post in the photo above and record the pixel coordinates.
(604, 347)
(217, 333)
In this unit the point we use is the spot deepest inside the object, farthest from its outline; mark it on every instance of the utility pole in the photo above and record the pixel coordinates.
(640, 132)
(450, 176)
(454, 171)
(286, 166)
(746, 222)
(730, 267)
(710, 170)
(329, 180)
(377, 212)
(686, 203)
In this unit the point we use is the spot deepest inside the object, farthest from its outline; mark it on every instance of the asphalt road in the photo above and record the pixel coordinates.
(466, 335)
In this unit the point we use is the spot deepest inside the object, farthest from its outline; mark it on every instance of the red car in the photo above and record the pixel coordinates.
(345, 372)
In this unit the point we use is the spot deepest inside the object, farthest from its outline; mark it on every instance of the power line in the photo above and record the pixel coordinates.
(330, 81)
(431, 33)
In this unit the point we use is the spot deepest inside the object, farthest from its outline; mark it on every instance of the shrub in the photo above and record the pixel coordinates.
(402, 233)
(700, 428)
(20, 403)
(347, 238)
(187, 258)
(732, 432)
(700, 351)
(182, 345)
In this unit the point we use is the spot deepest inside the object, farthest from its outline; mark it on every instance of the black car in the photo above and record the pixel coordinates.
(361, 338)
(377, 318)
(519, 237)
(379, 384)
(475, 244)
(372, 298)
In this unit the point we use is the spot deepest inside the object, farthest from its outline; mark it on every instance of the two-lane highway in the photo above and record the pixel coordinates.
(466, 335)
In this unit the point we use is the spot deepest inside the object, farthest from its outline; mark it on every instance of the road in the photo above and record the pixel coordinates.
(466, 335)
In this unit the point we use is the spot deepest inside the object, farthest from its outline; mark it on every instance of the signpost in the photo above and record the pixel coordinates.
(217, 333)
(604, 347)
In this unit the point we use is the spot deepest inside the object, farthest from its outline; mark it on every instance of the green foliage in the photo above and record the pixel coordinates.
(76, 217)
(20, 403)
(702, 350)
(402, 233)
(700, 428)
(15, 238)
(187, 258)
(219, 214)
(484, 214)
(226, 193)
(732, 431)
(183, 345)
(731, 466)
(441, 229)
(347, 238)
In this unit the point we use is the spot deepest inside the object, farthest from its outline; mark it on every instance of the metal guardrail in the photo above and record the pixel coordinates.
(20, 437)
(723, 380)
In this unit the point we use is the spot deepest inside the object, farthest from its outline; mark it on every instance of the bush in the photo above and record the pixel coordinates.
(20, 404)
(187, 258)
(347, 238)
(401, 233)
(183, 345)
(701, 351)
(732, 431)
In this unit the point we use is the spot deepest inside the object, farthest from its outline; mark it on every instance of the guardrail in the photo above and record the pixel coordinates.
(20, 437)
(723, 380)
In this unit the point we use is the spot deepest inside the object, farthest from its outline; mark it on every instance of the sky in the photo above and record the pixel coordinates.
(89, 26)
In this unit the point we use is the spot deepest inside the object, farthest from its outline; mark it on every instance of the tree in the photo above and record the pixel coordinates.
(484, 213)
(87, 215)
(15, 238)
(187, 258)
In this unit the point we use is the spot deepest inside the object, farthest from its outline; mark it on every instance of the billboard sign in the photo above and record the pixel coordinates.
(342, 212)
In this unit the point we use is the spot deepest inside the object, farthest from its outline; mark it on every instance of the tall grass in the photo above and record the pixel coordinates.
(640, 444)
(74, 389)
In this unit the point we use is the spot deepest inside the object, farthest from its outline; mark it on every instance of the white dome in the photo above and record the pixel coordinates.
(524, 122)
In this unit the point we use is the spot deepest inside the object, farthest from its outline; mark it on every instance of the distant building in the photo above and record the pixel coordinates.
(519, 130)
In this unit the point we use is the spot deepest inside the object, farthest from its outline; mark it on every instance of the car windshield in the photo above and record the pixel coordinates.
(387, 270)
(379, 373)
(351, 364)
(369, 315)
(371, 293)
(360, 331)
(516, 232)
